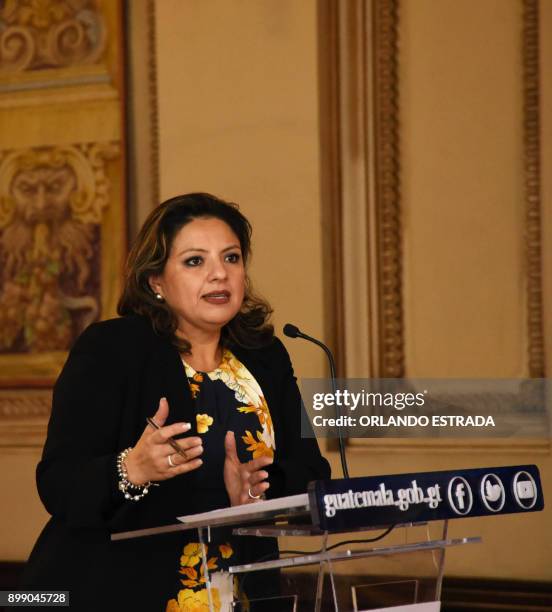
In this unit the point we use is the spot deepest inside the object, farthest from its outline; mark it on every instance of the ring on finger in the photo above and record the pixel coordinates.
(251, 496)
(170, 461)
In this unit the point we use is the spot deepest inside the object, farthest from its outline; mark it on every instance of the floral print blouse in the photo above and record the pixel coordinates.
(225, 399)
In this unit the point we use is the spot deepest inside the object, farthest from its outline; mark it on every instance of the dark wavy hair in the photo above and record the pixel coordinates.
(249, 328)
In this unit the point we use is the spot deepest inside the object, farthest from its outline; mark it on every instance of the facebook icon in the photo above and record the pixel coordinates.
(459, 494)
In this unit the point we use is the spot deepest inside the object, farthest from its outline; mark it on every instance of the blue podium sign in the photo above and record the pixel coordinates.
(345, 504)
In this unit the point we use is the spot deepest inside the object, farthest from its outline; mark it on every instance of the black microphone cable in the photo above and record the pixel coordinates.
(291, 331)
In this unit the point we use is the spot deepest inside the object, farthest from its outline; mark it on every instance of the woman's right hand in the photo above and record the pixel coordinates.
(149, 459)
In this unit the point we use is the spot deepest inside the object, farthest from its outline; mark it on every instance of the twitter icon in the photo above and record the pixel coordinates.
(492, 492)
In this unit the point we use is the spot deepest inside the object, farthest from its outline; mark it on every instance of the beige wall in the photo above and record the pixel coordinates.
(22, 515)
(239, 117)
(462, 188)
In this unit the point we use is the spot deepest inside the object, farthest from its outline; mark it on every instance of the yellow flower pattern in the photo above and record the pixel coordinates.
(194, 601)
(257, 447)
(204, 421)
(189, 600)
(247, 392)
(190, 572)
(226, 550)
(191, 555)
(194, 389)
(256, 439)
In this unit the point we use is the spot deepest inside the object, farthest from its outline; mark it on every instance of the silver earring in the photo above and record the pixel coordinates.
(159, 297)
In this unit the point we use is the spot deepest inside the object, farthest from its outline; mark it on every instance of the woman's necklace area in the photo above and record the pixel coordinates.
(203, 365)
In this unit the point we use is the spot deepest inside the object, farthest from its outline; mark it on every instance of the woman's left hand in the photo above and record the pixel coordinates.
(245, 482)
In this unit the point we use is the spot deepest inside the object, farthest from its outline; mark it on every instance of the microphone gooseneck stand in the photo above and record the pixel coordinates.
(291, 331)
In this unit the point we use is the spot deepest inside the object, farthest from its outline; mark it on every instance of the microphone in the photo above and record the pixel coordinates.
(292, 331)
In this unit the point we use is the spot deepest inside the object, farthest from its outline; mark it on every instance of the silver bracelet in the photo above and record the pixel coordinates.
(124, 483)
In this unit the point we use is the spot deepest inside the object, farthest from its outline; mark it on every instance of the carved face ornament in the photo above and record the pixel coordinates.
(51, 205)
(42, 195)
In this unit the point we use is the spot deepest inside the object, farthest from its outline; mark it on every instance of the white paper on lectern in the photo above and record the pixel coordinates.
(268, 505)
(430, 606)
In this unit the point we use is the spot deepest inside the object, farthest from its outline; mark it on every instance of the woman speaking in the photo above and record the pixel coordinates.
(192, 358)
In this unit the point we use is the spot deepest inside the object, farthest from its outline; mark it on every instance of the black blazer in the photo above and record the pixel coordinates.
(113, 379)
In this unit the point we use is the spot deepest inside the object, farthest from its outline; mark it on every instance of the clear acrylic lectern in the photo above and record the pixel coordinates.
(395, 567)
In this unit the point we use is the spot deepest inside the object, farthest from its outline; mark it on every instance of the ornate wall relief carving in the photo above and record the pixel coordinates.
(62, 199)
(39, 34)
(51, 206)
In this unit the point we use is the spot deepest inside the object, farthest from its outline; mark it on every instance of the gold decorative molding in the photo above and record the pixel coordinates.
(41, 34)
(361, 195)
(154, 106)
(23, 418)
(22, 434)
(24, 405)
(330, 192)
(143, 113)
(453, 446)
(360, 185)
(387, 181)
(532, 182)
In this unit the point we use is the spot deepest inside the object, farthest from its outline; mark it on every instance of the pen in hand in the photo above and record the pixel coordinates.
(171, 440)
